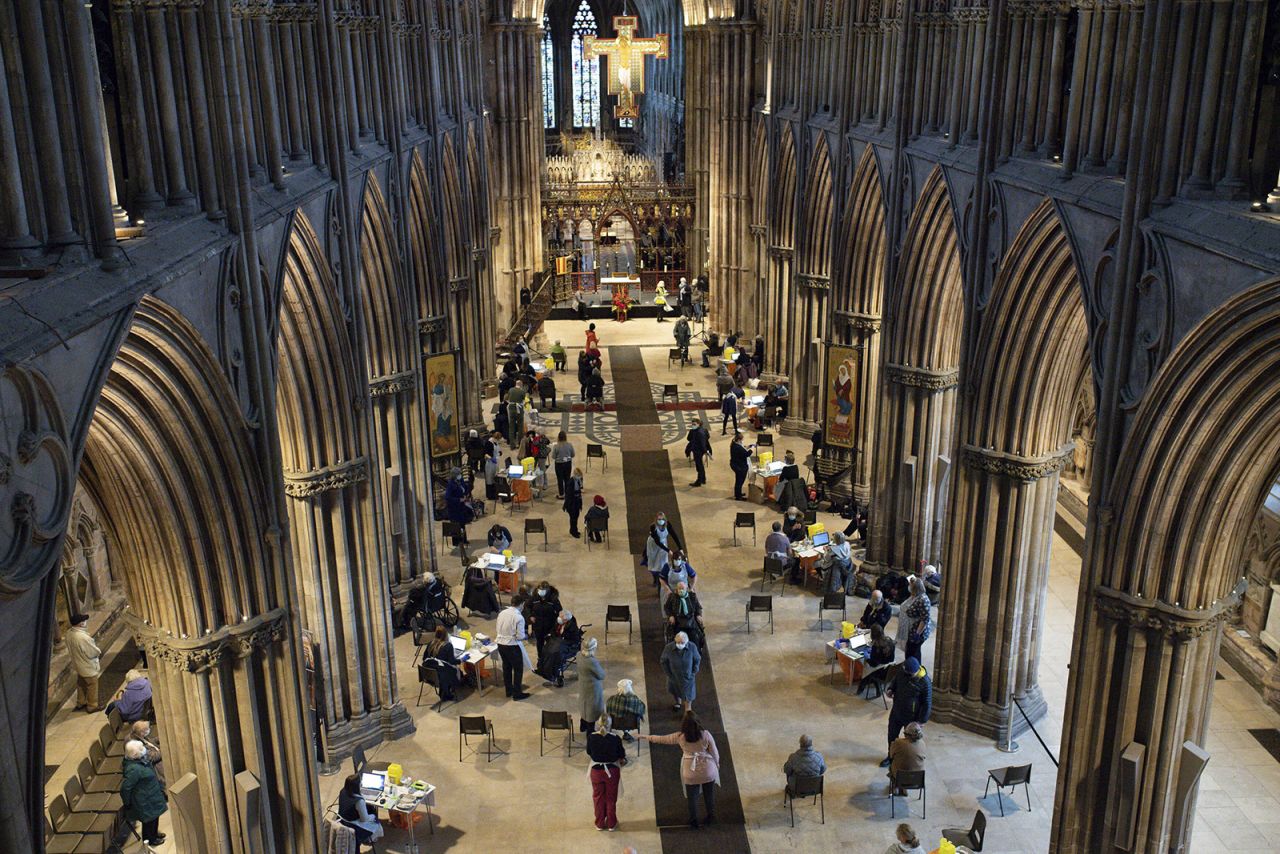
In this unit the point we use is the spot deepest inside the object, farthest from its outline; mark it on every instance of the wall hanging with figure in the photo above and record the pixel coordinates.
(442, 403)
(841, 365)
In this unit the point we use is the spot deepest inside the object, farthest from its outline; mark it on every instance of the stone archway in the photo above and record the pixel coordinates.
(1162, 574)
(186, 509)
(341, 577)
(857, 297)
(1014, 436)
(920, 372)
(808, 319)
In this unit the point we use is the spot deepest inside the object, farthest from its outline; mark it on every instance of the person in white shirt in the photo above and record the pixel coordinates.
(511, 634)
(86, 659)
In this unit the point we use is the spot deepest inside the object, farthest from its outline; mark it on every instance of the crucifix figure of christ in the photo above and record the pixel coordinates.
(626, 61)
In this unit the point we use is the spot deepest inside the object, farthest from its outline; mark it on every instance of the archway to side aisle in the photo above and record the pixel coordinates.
(915, 435)
(185, 509)
(1157, 587)
(1014, 436)
(341, 576)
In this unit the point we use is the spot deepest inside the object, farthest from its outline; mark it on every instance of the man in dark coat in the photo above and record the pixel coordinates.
(876, 613)
(912, 694)
(739, 463)
(699, 448)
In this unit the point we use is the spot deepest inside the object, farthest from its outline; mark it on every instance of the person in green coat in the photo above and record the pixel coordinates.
(141, 793)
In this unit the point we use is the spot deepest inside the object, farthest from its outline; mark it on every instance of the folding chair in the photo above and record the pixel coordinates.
(617, 614)
(760, 605)
(971, 838)
(449, 532)
(1010, 778)
(624, 722)
(775, 569)
(555, 721)
(811, 517)
(671, 390)
(598, 526)
(360, 764)
(744, 520)
(429, 674)
(596, 452)
(908, 781)
(764, 440)
(535, 526)
(804, 786)
(831, 602)
(673, 355)
(477, 725)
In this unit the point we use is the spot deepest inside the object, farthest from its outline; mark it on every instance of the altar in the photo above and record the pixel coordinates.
(614, 284)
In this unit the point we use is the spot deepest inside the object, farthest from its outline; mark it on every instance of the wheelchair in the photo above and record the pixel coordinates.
(566, 655)
(434, 607)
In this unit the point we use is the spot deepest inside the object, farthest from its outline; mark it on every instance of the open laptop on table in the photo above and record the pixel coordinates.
(371, 785)
(821, 538)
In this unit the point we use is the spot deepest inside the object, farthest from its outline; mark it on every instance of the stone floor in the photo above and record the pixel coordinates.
(772, 688)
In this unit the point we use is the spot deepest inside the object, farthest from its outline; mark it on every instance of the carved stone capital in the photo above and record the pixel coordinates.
(460, 284)
(924, 378)
(433, 324)
(289, 13)
(781, 253)
(196, 655)
(337, 476)
(814, 283)
(392, 384)
(860, 321)
(1171, 621)
(1015, 466)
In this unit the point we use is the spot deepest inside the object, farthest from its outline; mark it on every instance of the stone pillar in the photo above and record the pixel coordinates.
(913, 461)
(997, 558)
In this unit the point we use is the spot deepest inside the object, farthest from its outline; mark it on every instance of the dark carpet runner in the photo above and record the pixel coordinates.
(647, 473)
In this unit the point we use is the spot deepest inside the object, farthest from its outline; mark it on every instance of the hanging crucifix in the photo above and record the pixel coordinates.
(626, 62)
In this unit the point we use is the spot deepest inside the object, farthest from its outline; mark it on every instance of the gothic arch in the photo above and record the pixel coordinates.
(858, 300)
(340, 574)
(921, 352)
(169, 462)
(454, 235)
(1160, 575)
(783, 233)
(424, 261)
(819, 204)
(1029, 361)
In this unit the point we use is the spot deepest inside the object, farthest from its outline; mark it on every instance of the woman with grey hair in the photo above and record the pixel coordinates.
(914, 621)
(141, 793)
(839, 565)
(590, 686)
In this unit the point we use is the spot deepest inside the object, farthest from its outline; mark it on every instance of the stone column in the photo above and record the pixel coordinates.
(997, 558)
(396, 427)
(913, 461)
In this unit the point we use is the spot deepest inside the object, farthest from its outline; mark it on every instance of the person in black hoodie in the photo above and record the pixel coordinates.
(544, 607)
(912, 695)
(699, 447)
(739, 463)
(573, 501)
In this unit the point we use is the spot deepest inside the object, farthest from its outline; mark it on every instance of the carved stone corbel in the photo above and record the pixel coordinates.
(1172, 621)
(1015, 466)
(196, 655)
(392, 384)
(925, 378)
(337, 476)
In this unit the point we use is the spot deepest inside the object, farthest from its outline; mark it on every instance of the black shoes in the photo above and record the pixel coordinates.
(520, 696)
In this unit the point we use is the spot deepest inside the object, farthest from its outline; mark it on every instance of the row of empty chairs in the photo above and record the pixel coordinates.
(478, 726)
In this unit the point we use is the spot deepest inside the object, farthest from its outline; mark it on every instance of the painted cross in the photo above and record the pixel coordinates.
(626, 61)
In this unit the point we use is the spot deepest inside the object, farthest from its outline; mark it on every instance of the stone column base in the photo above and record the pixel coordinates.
(797, 427)
(368, 730)
(988, 719)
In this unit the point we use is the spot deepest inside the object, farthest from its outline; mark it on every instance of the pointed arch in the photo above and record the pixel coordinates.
(784, 190)
(384, 303)
(1163, 576)
(859, 288)
(424, 261)
(818, 211)
(170, 465)
(454, 232)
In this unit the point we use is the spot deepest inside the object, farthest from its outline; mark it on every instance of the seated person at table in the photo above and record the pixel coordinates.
(598, 510)
(558, 356)
(355, 813)
(805, 762)
(564, 642)
(625, 702)
(779, 396)
(478, 595)
(907, 751)
(499, 538)
(714, 348)
(778, 546)
(793, 525)
(441, 649)
(790, 470)
(877, 612)
(882, 649)
(839, 564)
(547, 391)
(684, 612)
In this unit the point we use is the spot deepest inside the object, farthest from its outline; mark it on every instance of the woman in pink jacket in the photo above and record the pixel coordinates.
(699, 767)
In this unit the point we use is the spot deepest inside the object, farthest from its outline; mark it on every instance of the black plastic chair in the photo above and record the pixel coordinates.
(744, 520)
(596, 452)
(535, 526)
(617, 614)
(111, 746)
(1009, 777)
(908, 781)
(803, 786)
(811, 517)
(476, 725)
(675, 354)
(672, 391)
(555, 722)
(831, 602)
(971, 838)
(764, 440)
(429, 674)
(362, 764)
(598, 526)
(775, 570)
(626, 722)
(760, 605)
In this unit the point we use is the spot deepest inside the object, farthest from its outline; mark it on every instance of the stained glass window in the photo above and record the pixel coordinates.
(548, 76)
(586, 72)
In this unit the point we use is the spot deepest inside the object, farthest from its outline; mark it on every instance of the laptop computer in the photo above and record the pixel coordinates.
(371, 784)
(459, 644)
(821, 538)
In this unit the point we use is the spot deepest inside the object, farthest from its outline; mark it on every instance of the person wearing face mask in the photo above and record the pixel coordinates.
(564, 641)
(499, 538)
(626, 702)
(681, 661)
(684, 612)
(657, 548)
(544, 607)
(676, 572)
(590, 687)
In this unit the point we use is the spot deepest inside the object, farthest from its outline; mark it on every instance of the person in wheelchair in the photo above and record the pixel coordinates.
(429, 599)
(560, 649)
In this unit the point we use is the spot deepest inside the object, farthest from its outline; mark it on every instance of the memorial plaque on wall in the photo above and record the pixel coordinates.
(838, 396)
